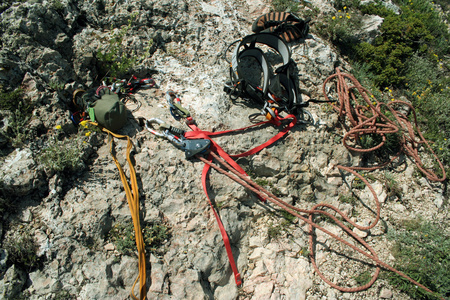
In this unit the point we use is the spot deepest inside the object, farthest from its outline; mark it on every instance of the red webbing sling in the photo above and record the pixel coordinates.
(196, 133)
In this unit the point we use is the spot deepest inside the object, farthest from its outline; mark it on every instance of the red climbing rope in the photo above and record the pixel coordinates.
(263, 193)
(369, 119)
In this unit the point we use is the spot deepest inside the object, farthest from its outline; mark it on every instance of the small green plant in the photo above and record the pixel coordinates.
(56, 85)
(285, 5)
(393, 188)
(155, 235)
(22, 249)
(358, 184)
(9, 100)
(20, 114)
(304, 251)
(422, 251)
(262, 182)
(276, 229)
(339, 28)
(65, 155)
(117, 60)
(363, 278)
(287, 216)
(348, 198)
(442, 149)
(123, 237)
(58, 5)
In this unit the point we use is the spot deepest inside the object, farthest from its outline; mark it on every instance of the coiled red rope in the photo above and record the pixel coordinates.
(369, 119)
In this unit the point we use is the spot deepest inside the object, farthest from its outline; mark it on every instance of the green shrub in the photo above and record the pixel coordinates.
(18, 131)
(9, 100)
(417, 30)
(422, 251)
(375, 8)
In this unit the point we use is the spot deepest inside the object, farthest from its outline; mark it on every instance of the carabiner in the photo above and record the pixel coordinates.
(167, 131)
(161, 124)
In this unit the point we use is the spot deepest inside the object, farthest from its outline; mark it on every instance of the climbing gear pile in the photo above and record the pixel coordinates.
(108, 103)
(277, 92)
(224, 164)
(197, 143)
(130, 86)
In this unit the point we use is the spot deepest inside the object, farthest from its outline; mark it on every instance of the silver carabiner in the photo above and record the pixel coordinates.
(155, 121)
(177, 141)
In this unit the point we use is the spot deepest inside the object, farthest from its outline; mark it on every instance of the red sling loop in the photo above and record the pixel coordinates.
(196, 133)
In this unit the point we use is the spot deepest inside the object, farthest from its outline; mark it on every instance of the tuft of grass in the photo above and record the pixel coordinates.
(363, 278)
(123, 237)
(393, 188)
(348, 198)
(422, 251)
(66, 155)
(285, 5)
(22, 249)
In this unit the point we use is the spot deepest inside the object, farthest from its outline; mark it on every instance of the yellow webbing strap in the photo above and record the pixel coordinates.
(133, 202)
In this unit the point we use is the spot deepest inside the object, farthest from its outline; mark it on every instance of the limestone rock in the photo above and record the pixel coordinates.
(12, 282)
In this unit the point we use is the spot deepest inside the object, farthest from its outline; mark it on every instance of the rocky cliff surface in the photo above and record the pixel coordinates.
(50, 48)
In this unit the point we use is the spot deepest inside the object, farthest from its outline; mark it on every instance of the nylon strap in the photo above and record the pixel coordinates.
(132, 195)
(196, 133)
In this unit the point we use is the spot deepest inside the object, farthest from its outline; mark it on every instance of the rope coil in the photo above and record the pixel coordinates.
(369, 119)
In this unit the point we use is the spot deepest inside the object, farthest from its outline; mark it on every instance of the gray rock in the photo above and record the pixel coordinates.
(3, 260)
(386, 293)
(370, 28)
(18, 173)
(12, 282)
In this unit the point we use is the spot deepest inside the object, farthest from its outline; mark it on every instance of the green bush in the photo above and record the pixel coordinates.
(116, 60)
(339, 29)
(375, 8)
(417, 30)
(18, 131)
(422, 251)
